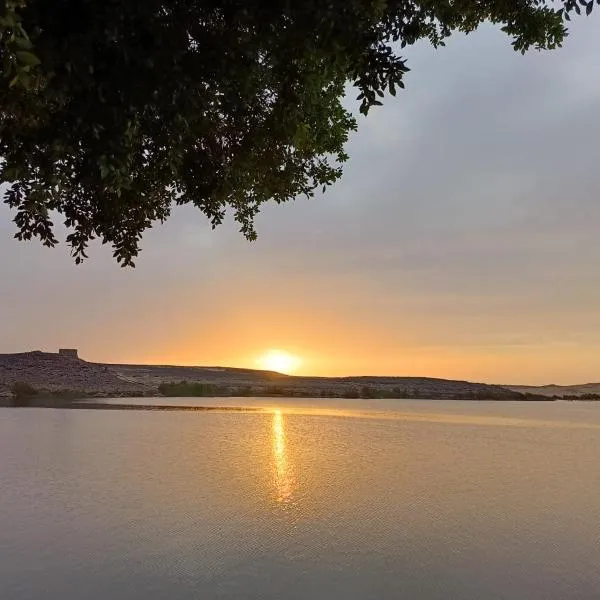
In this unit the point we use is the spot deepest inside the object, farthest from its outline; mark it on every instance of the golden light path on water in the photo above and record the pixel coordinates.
(284, 481)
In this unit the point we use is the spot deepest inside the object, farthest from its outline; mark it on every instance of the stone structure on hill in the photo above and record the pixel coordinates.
(63, 371)
(69, 352)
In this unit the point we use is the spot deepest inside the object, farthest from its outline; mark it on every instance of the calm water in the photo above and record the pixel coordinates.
(355, 499)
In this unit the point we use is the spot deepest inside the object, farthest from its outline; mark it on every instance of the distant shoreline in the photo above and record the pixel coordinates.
(82, 404)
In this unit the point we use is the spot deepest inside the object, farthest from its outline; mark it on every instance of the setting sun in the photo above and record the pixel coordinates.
(280, 361)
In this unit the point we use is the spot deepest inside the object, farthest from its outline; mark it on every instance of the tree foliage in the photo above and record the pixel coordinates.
(113, 111)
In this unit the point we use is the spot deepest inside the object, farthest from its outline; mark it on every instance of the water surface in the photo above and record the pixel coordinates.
(307, 499)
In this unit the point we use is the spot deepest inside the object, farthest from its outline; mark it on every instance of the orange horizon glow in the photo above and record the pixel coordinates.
(338, 343)
(509, 366)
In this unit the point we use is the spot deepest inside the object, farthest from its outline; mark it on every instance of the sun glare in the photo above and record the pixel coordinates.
(280, 361)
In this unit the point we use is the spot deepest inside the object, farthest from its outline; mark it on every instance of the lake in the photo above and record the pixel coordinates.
(307, 499)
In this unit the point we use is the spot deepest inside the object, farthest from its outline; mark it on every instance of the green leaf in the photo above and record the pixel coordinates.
(23, 43)
(27, 58)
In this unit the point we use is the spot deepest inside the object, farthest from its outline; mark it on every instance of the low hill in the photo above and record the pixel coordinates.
(53, 372)
(552, 390)
(256, 382)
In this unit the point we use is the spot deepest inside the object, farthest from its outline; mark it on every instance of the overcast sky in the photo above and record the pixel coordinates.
(462, 242)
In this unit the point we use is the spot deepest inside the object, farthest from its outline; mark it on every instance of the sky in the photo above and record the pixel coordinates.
(461, 242)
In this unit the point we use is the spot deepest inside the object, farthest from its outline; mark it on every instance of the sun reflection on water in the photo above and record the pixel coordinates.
(284, 482)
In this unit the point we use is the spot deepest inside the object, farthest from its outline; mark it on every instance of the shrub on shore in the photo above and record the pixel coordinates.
(185, 389)
(22, 393)
(200, 389)
(22, 389)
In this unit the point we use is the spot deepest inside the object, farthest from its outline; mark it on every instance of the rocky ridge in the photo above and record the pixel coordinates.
(55, 372)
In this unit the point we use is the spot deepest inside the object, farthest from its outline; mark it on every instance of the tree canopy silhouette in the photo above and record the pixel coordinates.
(113, 111)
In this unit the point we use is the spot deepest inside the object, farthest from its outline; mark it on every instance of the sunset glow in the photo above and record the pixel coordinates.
(280, 361)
